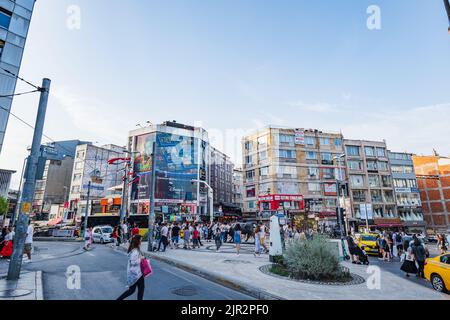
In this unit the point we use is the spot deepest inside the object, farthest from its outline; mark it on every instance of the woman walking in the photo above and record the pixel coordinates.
(420, 255)
(135, 278)
(408, 266)
(442, 243)
(257, 241)
(218, 238)
(237, 237)
(88, 239)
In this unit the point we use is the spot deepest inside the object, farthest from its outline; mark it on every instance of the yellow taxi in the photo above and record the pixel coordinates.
(437, 271)
(368, 243)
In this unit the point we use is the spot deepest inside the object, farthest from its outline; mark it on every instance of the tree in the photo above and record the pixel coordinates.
(3, 206)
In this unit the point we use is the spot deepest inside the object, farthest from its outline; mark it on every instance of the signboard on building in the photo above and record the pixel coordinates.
(330, 189)
(366, 211)
(299, 136)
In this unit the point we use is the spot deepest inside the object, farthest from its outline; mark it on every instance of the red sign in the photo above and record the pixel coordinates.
(276, 201)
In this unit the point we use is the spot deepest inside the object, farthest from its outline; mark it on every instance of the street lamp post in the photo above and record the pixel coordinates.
(338, 189)
(211, 198)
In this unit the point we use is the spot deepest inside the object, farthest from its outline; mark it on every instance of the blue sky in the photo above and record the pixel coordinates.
(235, 65)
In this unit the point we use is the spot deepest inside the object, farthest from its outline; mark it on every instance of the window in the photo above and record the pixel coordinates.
(251, 204)
(5, 18)
(248, 159)
(369, 151)
(2, 45)
(325, 141)
(313, 173)
(248, 146)
(352, 150)
(313, 187)
(372, 165)
(354, 165)
(251, 191)
(262, 142)
(400, 183)
(386, 181)
(326, 156)
(250, 174)
(311, 155)
(77, 177)
(408, 169)
(310, 141)
(357, 180)
(328, 173)
(412, 183)
(288, 139)
(359, 195)
(262, 155)
(80, 155)
(376, 195)
(264, 171)
(388, 196)
(397, 169)
(338, 142)
(374, 181)
(287, 154)
(381, 152)
(382, 165)
(75, 189)
(286, 171)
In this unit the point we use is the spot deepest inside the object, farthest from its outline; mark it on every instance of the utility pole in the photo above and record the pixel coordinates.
(19, 194)
(29, 185)
(151, 219)
(87, 208)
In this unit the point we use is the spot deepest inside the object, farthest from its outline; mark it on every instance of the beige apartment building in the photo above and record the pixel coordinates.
(371, 188)
(291, 171)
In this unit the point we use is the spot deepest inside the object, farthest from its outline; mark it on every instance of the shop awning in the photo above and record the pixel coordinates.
(54, 222)
(390, 225)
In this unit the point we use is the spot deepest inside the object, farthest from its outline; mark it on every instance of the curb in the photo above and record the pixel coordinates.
(224, 281)
(51, 239)
(39, 286)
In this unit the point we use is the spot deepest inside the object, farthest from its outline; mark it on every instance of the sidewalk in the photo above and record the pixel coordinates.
(28, 287)
(242, 273)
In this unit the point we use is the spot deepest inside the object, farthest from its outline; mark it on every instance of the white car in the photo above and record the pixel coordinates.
(102, 234)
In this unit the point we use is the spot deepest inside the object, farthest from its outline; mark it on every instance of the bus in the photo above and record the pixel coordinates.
(141, 220)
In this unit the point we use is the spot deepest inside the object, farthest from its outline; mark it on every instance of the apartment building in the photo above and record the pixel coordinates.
(91, 165)
(371, 188)
(238, 188)
(221, 181)
(291, 171)
(433, 178)
(407, 194)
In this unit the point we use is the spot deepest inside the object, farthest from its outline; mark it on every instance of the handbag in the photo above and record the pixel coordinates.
(146, 268)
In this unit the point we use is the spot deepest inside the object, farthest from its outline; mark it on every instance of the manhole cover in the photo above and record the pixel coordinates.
(237, 261)
(185, 291)
(14, 293)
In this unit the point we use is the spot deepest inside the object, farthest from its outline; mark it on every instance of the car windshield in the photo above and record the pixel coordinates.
(107, 230)
(368, 238)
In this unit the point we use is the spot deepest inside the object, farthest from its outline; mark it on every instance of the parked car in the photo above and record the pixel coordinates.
(102, 234)
(437, 271)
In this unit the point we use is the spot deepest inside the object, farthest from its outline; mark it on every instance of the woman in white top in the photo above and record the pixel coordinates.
(135, 278)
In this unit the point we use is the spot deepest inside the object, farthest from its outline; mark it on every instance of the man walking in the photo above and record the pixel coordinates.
(163, 239)
(29, 241)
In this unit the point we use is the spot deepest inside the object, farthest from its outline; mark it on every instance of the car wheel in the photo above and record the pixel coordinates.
(438, 283)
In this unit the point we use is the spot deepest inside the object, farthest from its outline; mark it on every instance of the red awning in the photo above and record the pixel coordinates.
(389, 225)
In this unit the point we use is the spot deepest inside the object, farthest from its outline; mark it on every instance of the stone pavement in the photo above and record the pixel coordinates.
(28, 287)
(242, 273)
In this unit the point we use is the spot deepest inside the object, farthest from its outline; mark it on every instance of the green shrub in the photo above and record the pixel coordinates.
(280, 270)
(314, 259)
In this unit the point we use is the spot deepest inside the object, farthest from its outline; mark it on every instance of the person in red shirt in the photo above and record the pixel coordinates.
(195, 238)
(134, 231)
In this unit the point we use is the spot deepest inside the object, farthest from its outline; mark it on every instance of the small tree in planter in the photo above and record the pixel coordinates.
(314, 259)
(3, 207)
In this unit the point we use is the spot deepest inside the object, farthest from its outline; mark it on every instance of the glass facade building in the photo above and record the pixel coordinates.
(181, 158)
(15, 16)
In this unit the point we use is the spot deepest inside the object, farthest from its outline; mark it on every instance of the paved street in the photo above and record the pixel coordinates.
(103, 276)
